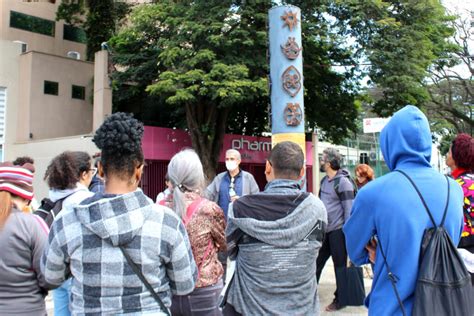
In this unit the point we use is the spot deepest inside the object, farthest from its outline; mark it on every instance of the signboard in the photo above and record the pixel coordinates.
(375, 124)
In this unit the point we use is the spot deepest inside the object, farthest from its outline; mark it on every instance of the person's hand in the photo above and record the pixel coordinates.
(234, 197)
(371, 249)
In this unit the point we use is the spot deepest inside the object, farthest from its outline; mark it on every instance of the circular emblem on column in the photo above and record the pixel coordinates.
(293, 114)
(291, 80)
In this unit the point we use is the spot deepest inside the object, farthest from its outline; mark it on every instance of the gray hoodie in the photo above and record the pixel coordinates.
(337, 205)
(275, 237)
(22, 285)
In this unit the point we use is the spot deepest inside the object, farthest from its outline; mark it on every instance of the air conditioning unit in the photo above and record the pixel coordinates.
(74, 55)
(24, 46)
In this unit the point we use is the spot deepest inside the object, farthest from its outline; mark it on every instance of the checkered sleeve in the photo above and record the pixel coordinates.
(53, 263)
(181, 269)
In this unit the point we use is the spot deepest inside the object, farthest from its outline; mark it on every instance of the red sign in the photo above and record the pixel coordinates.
(162, 143)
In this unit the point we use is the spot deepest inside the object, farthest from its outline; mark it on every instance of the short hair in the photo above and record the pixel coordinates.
(286, 159)
(65, 170)
(462, 151)
(120, 140)
(365, 171)
(186, 174)
(233, 151)
(20, 161)
(333, 157)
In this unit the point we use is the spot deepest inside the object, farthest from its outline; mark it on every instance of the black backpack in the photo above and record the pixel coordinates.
(48, 210)
(444, 285)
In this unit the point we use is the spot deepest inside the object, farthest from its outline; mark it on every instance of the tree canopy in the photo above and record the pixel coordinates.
(203, 64)
(98, 18)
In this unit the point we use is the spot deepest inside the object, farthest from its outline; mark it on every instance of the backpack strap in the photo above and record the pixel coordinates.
(393, 279)
(423, 200)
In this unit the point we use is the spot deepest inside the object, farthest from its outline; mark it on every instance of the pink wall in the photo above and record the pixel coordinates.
(162, 143)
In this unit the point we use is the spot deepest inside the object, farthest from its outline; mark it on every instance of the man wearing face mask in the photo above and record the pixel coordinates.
(230, 185)
(337, 194)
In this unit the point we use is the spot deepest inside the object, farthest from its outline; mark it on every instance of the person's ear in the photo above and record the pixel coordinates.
(100, 169)
(301, 173)
(139, 172)
(268, 168)
(84, 175)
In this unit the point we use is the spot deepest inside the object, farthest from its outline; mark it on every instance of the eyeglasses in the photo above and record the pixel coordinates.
(94, 171)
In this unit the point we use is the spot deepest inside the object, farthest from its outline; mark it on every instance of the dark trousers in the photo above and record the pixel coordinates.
(200, 302)
(230, 311)
(334, 245)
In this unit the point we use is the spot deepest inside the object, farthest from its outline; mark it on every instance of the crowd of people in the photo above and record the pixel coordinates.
(225, 248)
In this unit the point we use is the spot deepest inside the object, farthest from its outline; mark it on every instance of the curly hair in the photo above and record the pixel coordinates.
(65, 169)
(119, 138)
(365, 171)
(462, 151)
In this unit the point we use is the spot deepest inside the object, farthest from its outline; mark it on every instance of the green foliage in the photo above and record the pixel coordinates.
(98, 18)
(401, 40)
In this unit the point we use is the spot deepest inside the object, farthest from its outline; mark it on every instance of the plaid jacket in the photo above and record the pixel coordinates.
(83, 242)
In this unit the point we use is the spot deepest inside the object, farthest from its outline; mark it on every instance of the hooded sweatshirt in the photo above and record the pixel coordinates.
(84, 242)
(338, 204)
(275, 237)
(390, 208)
(71, 196)
(22, 285)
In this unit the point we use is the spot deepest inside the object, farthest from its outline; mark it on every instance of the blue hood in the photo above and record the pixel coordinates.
(406, 140)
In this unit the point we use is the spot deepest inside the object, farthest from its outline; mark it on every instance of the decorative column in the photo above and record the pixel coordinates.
(286, 75)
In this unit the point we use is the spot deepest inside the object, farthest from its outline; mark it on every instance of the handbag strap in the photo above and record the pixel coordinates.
(140, 275)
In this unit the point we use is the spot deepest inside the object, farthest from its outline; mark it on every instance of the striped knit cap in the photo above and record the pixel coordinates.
(17, 180)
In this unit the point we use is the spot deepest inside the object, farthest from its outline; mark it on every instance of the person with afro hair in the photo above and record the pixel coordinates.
(126, 254)
(460, 159)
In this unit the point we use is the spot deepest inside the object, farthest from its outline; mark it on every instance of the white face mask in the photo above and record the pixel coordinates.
(231, 165)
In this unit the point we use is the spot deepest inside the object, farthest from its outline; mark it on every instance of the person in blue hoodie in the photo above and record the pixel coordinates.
(390, 209)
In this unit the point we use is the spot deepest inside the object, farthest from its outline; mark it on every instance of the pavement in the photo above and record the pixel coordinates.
(326, 288)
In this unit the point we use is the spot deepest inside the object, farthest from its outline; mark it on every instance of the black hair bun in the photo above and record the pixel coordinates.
(120, 133)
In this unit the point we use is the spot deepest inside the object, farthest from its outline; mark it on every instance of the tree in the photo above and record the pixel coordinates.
(202, 64)
(98, 18)
(210, 59)
(400, 40)
(451, 85)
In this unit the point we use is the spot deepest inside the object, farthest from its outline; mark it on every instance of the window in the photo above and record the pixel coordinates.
(31, 23)
(75, 34)
(51, 87)
(78, 92)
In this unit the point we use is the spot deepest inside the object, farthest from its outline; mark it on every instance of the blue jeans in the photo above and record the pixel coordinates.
(61, 299)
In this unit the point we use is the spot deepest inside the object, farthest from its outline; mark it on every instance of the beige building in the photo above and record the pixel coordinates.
(46, 86)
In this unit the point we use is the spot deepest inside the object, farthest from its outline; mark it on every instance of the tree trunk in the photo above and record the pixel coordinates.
(206, 124)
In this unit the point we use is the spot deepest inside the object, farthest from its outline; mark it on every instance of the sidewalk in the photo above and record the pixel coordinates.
(326, 288)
